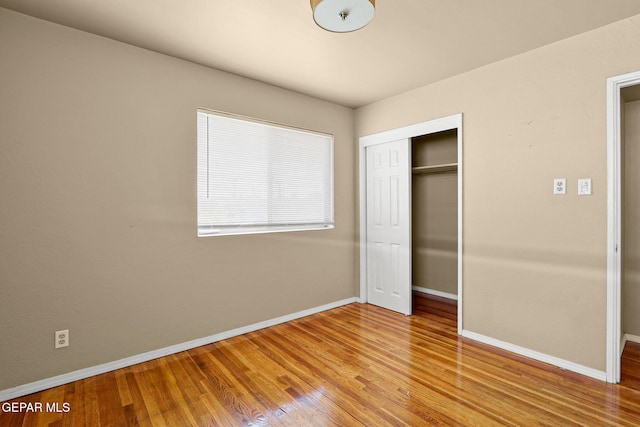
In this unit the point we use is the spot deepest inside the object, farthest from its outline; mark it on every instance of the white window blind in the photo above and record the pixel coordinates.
(256, 177)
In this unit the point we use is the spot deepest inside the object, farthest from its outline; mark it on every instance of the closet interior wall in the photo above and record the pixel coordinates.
(435, 212)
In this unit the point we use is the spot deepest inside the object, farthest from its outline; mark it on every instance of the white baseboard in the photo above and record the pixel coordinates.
(630, 338)
(34, 387)
(542, 357)
(436, 293)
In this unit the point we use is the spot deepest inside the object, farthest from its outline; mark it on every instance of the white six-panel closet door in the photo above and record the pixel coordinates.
(389, 226)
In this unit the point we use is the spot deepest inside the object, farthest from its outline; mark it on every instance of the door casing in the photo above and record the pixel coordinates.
(614, 221)
(425, 128)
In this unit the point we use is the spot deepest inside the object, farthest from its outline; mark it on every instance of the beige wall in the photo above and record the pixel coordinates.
(631, 283)
(98, 191)
(434, 206)
(534, 264)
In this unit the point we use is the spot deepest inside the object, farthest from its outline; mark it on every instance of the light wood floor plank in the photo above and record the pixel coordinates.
(357, 365)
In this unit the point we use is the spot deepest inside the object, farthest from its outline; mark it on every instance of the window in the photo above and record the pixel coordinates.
(258, 177)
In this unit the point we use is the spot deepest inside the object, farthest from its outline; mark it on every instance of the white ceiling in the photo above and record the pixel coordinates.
(409, 43)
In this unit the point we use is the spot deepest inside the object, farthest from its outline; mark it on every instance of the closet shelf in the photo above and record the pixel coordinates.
(447, 167)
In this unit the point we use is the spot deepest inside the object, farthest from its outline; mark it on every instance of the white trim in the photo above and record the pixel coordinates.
(362, 189)
(631, 338)
(614, 221)
(34, 387)
(436, 293)
(432, 126)
(628, 338)
(542, 357)
(460, 210)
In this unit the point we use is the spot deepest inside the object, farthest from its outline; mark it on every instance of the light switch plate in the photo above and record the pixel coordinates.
(560, 186)
(584, 186)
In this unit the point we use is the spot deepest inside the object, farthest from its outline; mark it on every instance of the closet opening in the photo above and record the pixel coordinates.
(434, 214)
(630, 262)
(411, 215)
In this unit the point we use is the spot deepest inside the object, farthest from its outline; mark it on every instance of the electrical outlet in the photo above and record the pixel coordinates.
(560, 186)
(62, 338)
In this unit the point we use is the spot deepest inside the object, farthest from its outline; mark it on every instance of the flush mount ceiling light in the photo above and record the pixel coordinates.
(342, 16)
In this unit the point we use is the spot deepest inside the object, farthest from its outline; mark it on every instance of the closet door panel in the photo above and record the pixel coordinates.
(389, 226)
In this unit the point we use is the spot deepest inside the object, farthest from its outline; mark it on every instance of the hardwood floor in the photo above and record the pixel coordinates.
(356, 365)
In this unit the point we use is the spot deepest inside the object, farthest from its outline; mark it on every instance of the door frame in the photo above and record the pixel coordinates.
(425, 128)
(614, 221)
